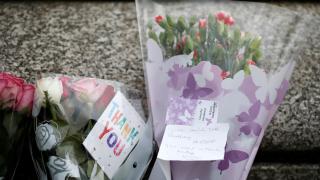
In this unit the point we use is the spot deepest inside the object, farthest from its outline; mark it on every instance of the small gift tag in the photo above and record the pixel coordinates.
(115, 134)
(194, 143)
(191, 111)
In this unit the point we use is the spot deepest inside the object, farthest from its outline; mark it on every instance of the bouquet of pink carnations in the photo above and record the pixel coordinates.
(197, 52)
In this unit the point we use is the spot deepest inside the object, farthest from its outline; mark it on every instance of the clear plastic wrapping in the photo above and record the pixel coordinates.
(65, 110)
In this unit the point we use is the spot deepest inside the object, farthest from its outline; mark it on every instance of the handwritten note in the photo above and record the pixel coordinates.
(206, 112)
(194, 143)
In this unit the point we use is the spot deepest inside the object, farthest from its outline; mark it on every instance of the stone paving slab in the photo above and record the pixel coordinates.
(284, 171)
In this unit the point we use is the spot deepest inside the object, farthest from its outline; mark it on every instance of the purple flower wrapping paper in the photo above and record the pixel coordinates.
(246, 101)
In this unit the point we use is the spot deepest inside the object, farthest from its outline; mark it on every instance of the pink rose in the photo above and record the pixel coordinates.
(65, 80)
(10, 88)
(88, 89)
(106, 97)
(15, 93)
(26, 100)
(202, 23)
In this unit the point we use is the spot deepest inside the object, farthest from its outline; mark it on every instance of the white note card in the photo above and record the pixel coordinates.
(194, 143)
(115, 134)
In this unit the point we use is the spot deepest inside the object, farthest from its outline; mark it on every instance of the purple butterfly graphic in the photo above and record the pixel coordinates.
(233, 156)
(194, 92)
(249, 118)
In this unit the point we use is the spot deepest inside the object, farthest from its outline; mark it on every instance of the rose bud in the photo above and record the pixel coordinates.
(195, 54)
(198, 38)
(11, 89)
(159, 19)
(25, 102)
(220, 16)
(184, 40)
(108, 93)
(88, 89)
(178, 47)
(251, 62)
(225, 74)
(65, 80)
(229, 21)
(202, 23)
(240, 57)
(51, 85)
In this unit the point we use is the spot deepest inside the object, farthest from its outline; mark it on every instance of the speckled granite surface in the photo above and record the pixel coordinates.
(284, 171)
(101, 40)
(87, 39)
(296, 125)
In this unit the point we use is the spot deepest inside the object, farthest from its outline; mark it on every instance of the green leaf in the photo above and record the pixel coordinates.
(170, 37)
(220, 28)
(189, 44)
(256, 55)
(10, 125)
(170, 21)
(225, 33)
(236, 37)
(181, 24)
(255, 44)
(72, 146)
(5, 142)
(162, 38)
(192, 20)
(218, 54)
(203, 35)
(3, 165)
(246, 70)
(90, 164)
(192, 33)
(164, 25)
(96, 172)
(86, 130)
(211, 20)
(150, 24)
(153, 36)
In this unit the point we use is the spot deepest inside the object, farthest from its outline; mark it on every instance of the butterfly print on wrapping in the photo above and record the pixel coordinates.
(233, 156)
(249, 118)
(193, 91)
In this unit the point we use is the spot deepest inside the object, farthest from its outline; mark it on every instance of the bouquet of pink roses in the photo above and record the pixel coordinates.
(16, 98)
